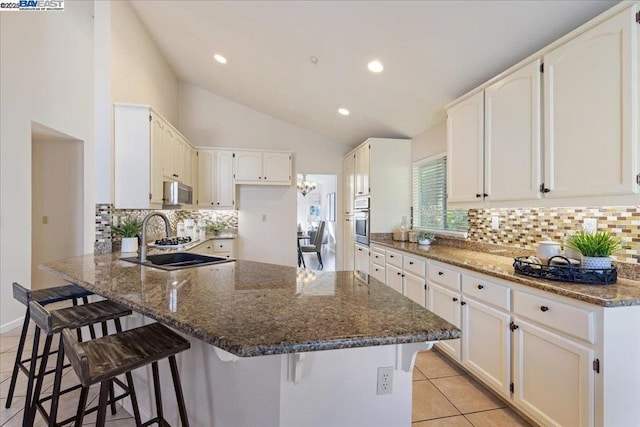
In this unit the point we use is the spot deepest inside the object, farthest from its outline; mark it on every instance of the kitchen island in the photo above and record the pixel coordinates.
(273, 345)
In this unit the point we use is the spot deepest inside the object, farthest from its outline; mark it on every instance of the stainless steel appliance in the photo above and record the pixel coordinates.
(361, 219)
(176, 194)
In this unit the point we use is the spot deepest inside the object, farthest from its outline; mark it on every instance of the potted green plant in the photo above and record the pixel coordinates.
(128, 229)
(425, 238)
(596, 248)
(215, 228)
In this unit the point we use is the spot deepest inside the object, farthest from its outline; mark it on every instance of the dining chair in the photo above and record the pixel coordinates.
(316, 246)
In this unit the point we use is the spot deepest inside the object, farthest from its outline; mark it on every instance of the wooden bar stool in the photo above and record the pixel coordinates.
(43, 297)
(53, 322)
(99, 360)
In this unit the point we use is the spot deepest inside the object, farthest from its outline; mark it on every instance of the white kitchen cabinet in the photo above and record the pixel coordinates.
(265, 168)
(486, 344)
(591, 112)
(361, 162)
(185, 170)
(194, 174)
(394, 278)
(377, 264)
(139, 157)
(553, 377)
(216, 188)
(224, 248)
(512, 150)
(348, 243)
(446, 304)
(361, 258)
(415, 288)
(349, 184)
(465, 150)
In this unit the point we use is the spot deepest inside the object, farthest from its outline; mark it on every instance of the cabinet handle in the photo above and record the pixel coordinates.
(463, 303)
(175, 174)
(212, 203)
(398, 273)
(480, 286)
(402, 275)
(359, 192)
(264, 177)
(218, 203)
(390, 256)
(440, 273)
(544, 308)
(455, 299)
(478, 195)
(485, 195)
(377, 269)
(360, 249)
(259, 177)
(410, 262)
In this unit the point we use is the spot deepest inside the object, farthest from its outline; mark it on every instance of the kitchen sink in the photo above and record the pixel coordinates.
(178, 260)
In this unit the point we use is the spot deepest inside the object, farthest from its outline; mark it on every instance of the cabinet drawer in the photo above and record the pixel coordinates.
(378, 272)
(222, 246)
(414, 266)
(572, 320)
(486, 291)
(378, 256)
(438, 273)
(393, 258)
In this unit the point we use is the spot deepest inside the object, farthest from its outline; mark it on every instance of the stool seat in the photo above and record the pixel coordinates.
(49, 295)
(52, 322)
(109, 356)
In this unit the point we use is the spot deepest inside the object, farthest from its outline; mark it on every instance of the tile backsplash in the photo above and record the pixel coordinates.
(106, 216)
(523, 228)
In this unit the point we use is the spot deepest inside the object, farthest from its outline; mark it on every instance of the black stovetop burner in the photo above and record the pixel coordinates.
(173, 241)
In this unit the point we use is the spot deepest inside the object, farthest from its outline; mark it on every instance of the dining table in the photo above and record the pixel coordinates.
(300, 257)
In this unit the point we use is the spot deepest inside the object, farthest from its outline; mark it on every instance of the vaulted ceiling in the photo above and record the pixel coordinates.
(432, 52)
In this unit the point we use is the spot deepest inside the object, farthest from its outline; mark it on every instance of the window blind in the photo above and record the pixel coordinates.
(430, 198)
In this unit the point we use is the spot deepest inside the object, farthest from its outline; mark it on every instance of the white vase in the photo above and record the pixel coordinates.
(425, 242)
(129, 244)
(596, 262)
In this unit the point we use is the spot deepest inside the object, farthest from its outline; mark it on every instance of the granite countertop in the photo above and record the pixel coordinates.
(624, 293)
(253, 309)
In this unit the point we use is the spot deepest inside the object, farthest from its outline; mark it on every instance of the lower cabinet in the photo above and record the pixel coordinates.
(224, 248)
(394, 278)
(406, 274)
(361, 258)
(446, 304)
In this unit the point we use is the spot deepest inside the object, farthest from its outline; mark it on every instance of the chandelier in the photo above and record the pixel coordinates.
(305, 187)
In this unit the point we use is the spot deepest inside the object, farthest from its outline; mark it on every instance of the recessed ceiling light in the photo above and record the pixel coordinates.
(375, 66)
(343, 111)
(221, 59)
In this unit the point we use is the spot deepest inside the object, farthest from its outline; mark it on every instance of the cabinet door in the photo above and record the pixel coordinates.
(194, 173)
(361, 161)
(590, 137)
(224, 185)
(362, 258)
(205, 178)
(415, 289)
(465, 150)
(553, 377)
(348, 262)
(156, 189)
(168, 152)
(185, 169)
(349, 184)
(276, 168)
(394, 277)
(512, 136)
(446, 304)
(378, 272)
(248, 166)
(486, 344)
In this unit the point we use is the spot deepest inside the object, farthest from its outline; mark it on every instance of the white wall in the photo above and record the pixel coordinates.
(430, 142)
(139, 72)
(46, 75)
(57, 194)
(210, 120)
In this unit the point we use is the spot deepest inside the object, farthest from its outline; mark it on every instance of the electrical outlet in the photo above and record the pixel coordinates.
(385, 380)
(590, 225)
(495, 222)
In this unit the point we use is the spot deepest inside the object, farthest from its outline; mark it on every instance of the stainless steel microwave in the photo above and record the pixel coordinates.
(176, 194)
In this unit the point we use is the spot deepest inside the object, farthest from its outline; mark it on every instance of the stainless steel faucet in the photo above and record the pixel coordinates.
(143, 247)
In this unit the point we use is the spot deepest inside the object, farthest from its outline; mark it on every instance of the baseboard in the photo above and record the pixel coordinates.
(12, 324)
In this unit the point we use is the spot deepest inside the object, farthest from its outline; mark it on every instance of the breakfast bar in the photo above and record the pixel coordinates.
(273, 345)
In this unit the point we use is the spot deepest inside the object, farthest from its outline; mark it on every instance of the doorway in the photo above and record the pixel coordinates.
(57, 201)
(316, 207)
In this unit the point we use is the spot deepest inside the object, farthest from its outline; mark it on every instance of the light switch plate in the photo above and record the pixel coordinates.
(590, 225)
(495, 222)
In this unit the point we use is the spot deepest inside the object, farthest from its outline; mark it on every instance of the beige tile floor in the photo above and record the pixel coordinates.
(442, 394)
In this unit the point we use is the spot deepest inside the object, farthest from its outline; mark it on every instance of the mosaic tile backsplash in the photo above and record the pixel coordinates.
(523, 228)
(106, 215)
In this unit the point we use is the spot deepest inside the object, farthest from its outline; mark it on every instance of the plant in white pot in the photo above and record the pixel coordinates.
(128, 229)
(596, 248)
(425, 238)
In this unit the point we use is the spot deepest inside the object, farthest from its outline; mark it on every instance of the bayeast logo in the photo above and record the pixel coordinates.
(32, 5)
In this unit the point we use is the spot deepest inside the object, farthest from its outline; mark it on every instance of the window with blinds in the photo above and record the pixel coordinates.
(430, 198)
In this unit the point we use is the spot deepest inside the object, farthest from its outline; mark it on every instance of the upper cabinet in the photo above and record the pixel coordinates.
(145, 147)
(361, 164)
(591, 112)
(590, 149)
(262, 167)
(349, 184)
(216, 188)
